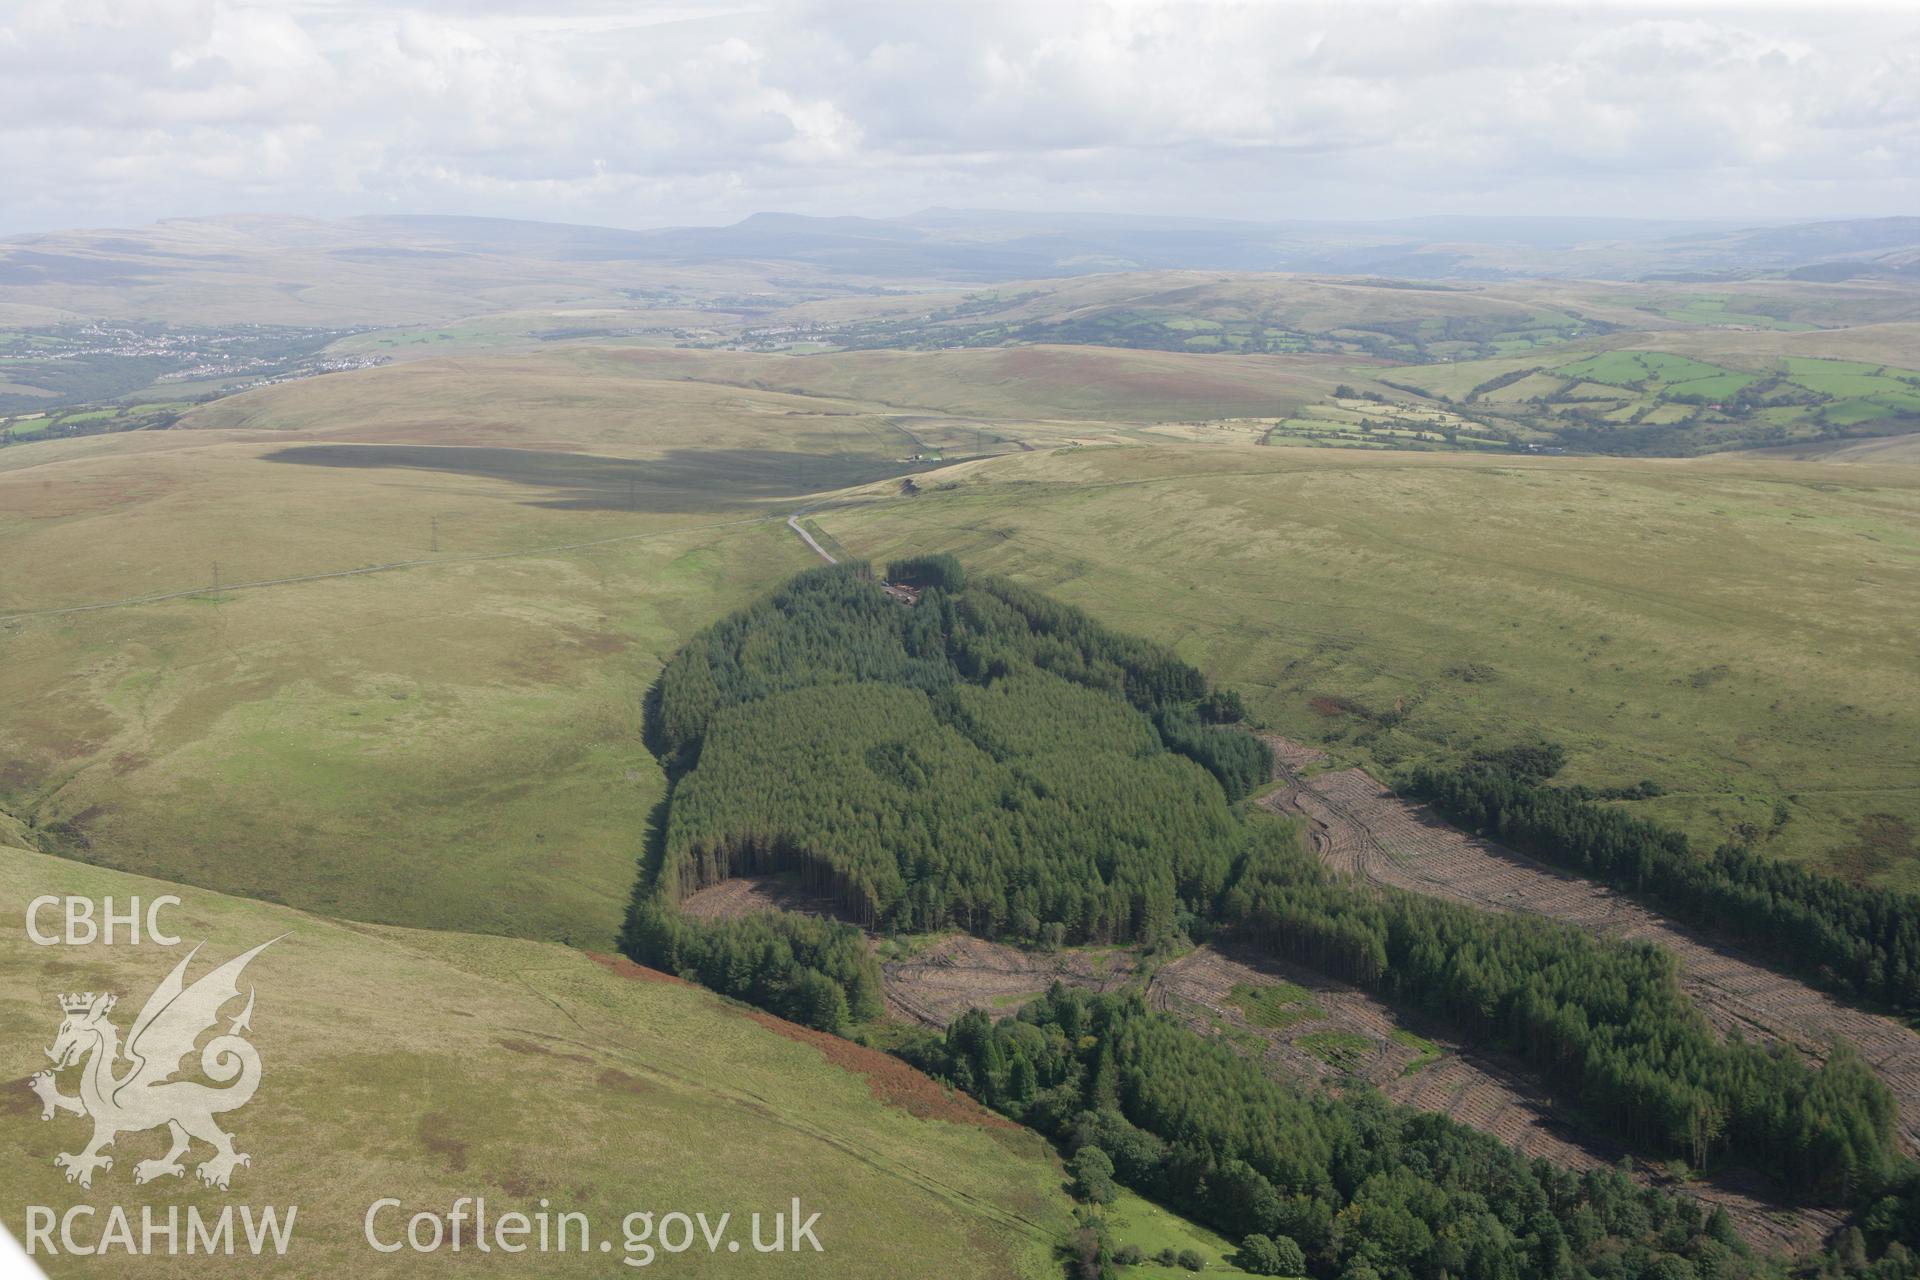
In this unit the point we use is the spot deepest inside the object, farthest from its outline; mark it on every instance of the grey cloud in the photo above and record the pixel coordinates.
(121, 111)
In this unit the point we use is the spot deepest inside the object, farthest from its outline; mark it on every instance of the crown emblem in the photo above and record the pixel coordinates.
(80, 1002)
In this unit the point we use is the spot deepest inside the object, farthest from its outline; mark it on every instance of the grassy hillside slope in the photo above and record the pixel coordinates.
(1737, 631)
(470, 716)
(1884, 450)
(428, 1066)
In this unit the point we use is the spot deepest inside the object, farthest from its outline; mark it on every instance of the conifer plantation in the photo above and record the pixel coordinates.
(1858, 941)
(984, 759)
(1359, 1186)
(987, 759)
(1604, 1023)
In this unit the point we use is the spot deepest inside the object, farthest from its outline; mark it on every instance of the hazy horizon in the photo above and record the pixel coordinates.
(1119, 217)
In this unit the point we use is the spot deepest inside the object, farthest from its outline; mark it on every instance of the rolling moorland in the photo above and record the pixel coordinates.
(299, 745)
(198, 301)
(1436, 602)
(1620, 368)
(409, 616)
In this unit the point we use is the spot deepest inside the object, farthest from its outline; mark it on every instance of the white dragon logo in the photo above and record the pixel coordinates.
(145, 1096)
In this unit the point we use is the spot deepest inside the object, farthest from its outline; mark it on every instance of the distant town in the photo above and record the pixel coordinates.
(93, 377)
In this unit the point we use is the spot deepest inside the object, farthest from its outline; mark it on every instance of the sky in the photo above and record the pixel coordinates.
(643, 113)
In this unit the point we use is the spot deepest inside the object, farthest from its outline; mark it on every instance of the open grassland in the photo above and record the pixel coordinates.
(856, 410)
(588, 401)
(450, 747)
(451, 742)
(1016, 384)
(1517, 363)
(1737, 632)
(1891, 342)
(1672, 370)
(428, 1066)
(1718, 309)
(1750, 308)
(1899, 451)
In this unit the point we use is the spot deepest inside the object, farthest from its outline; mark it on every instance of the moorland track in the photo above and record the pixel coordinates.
(793, 523)
(1357, 825)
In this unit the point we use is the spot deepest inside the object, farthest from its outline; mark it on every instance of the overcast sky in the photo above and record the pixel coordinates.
(119, 112)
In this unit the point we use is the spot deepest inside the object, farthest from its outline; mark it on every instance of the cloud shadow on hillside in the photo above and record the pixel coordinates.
(683, 480)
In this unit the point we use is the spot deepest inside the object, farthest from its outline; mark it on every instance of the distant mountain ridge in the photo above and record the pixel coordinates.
(392, 269)
(988, 245)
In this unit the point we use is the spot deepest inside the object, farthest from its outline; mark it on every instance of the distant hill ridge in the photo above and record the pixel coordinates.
(974, 246)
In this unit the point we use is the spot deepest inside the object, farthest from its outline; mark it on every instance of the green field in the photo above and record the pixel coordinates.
(1850, 379)
(1633, 400)
(1649, 369)
(1722, 310)
(1387, 423)
(150, 415)
(427, 1066)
